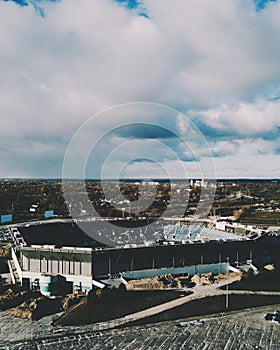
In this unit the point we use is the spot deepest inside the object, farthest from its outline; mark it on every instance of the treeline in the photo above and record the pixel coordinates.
(239, 198)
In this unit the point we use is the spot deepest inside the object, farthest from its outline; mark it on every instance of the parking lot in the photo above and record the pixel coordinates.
(240, 330)
(5, 235)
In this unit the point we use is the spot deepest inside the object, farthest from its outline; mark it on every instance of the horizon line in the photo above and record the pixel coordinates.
(138, 179)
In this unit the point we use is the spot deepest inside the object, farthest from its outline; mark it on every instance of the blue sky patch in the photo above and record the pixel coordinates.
(34, 3)
(130, 4)
(19, 2)
(134, 5)
(261, 4)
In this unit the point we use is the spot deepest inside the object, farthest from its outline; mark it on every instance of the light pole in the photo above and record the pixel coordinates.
(109, 267)
(227, 283)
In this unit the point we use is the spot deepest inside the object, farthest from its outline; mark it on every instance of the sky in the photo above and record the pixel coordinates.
(200, 69)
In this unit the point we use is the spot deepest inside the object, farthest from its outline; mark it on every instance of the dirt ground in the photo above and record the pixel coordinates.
(112, 304)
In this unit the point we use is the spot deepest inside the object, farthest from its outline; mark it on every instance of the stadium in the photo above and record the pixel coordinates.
(63, 249)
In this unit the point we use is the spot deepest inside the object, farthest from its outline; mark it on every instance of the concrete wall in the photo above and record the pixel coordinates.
(56, 266)
(74, 271)
(119, 260)
(84, 281)
(221, 225)
(191, 270)
(17, 265)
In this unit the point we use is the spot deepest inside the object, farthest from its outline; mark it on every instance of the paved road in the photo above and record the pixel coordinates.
(259, 292)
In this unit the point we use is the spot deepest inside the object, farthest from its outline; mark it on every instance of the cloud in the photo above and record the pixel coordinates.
(257, 118)
(224, 148)
(226, 50)
(218, 63)
(145, 131)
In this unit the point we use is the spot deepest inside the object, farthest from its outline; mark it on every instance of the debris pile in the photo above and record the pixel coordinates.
(70, 300)
(5, 251)
(204, 279)
(158, 282)
(36, 308)
(32, 305)
(13, 297)
(269, 267)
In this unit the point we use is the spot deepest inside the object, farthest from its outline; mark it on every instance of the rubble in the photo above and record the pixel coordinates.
(70, 300)
(13, 297)
(209, 278)
(36, 308)
(20, 302)
(269, 267)
(204, 279)
(5, 251)
(154, 283)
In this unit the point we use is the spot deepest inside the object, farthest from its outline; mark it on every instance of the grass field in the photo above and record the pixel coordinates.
(261, 218)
